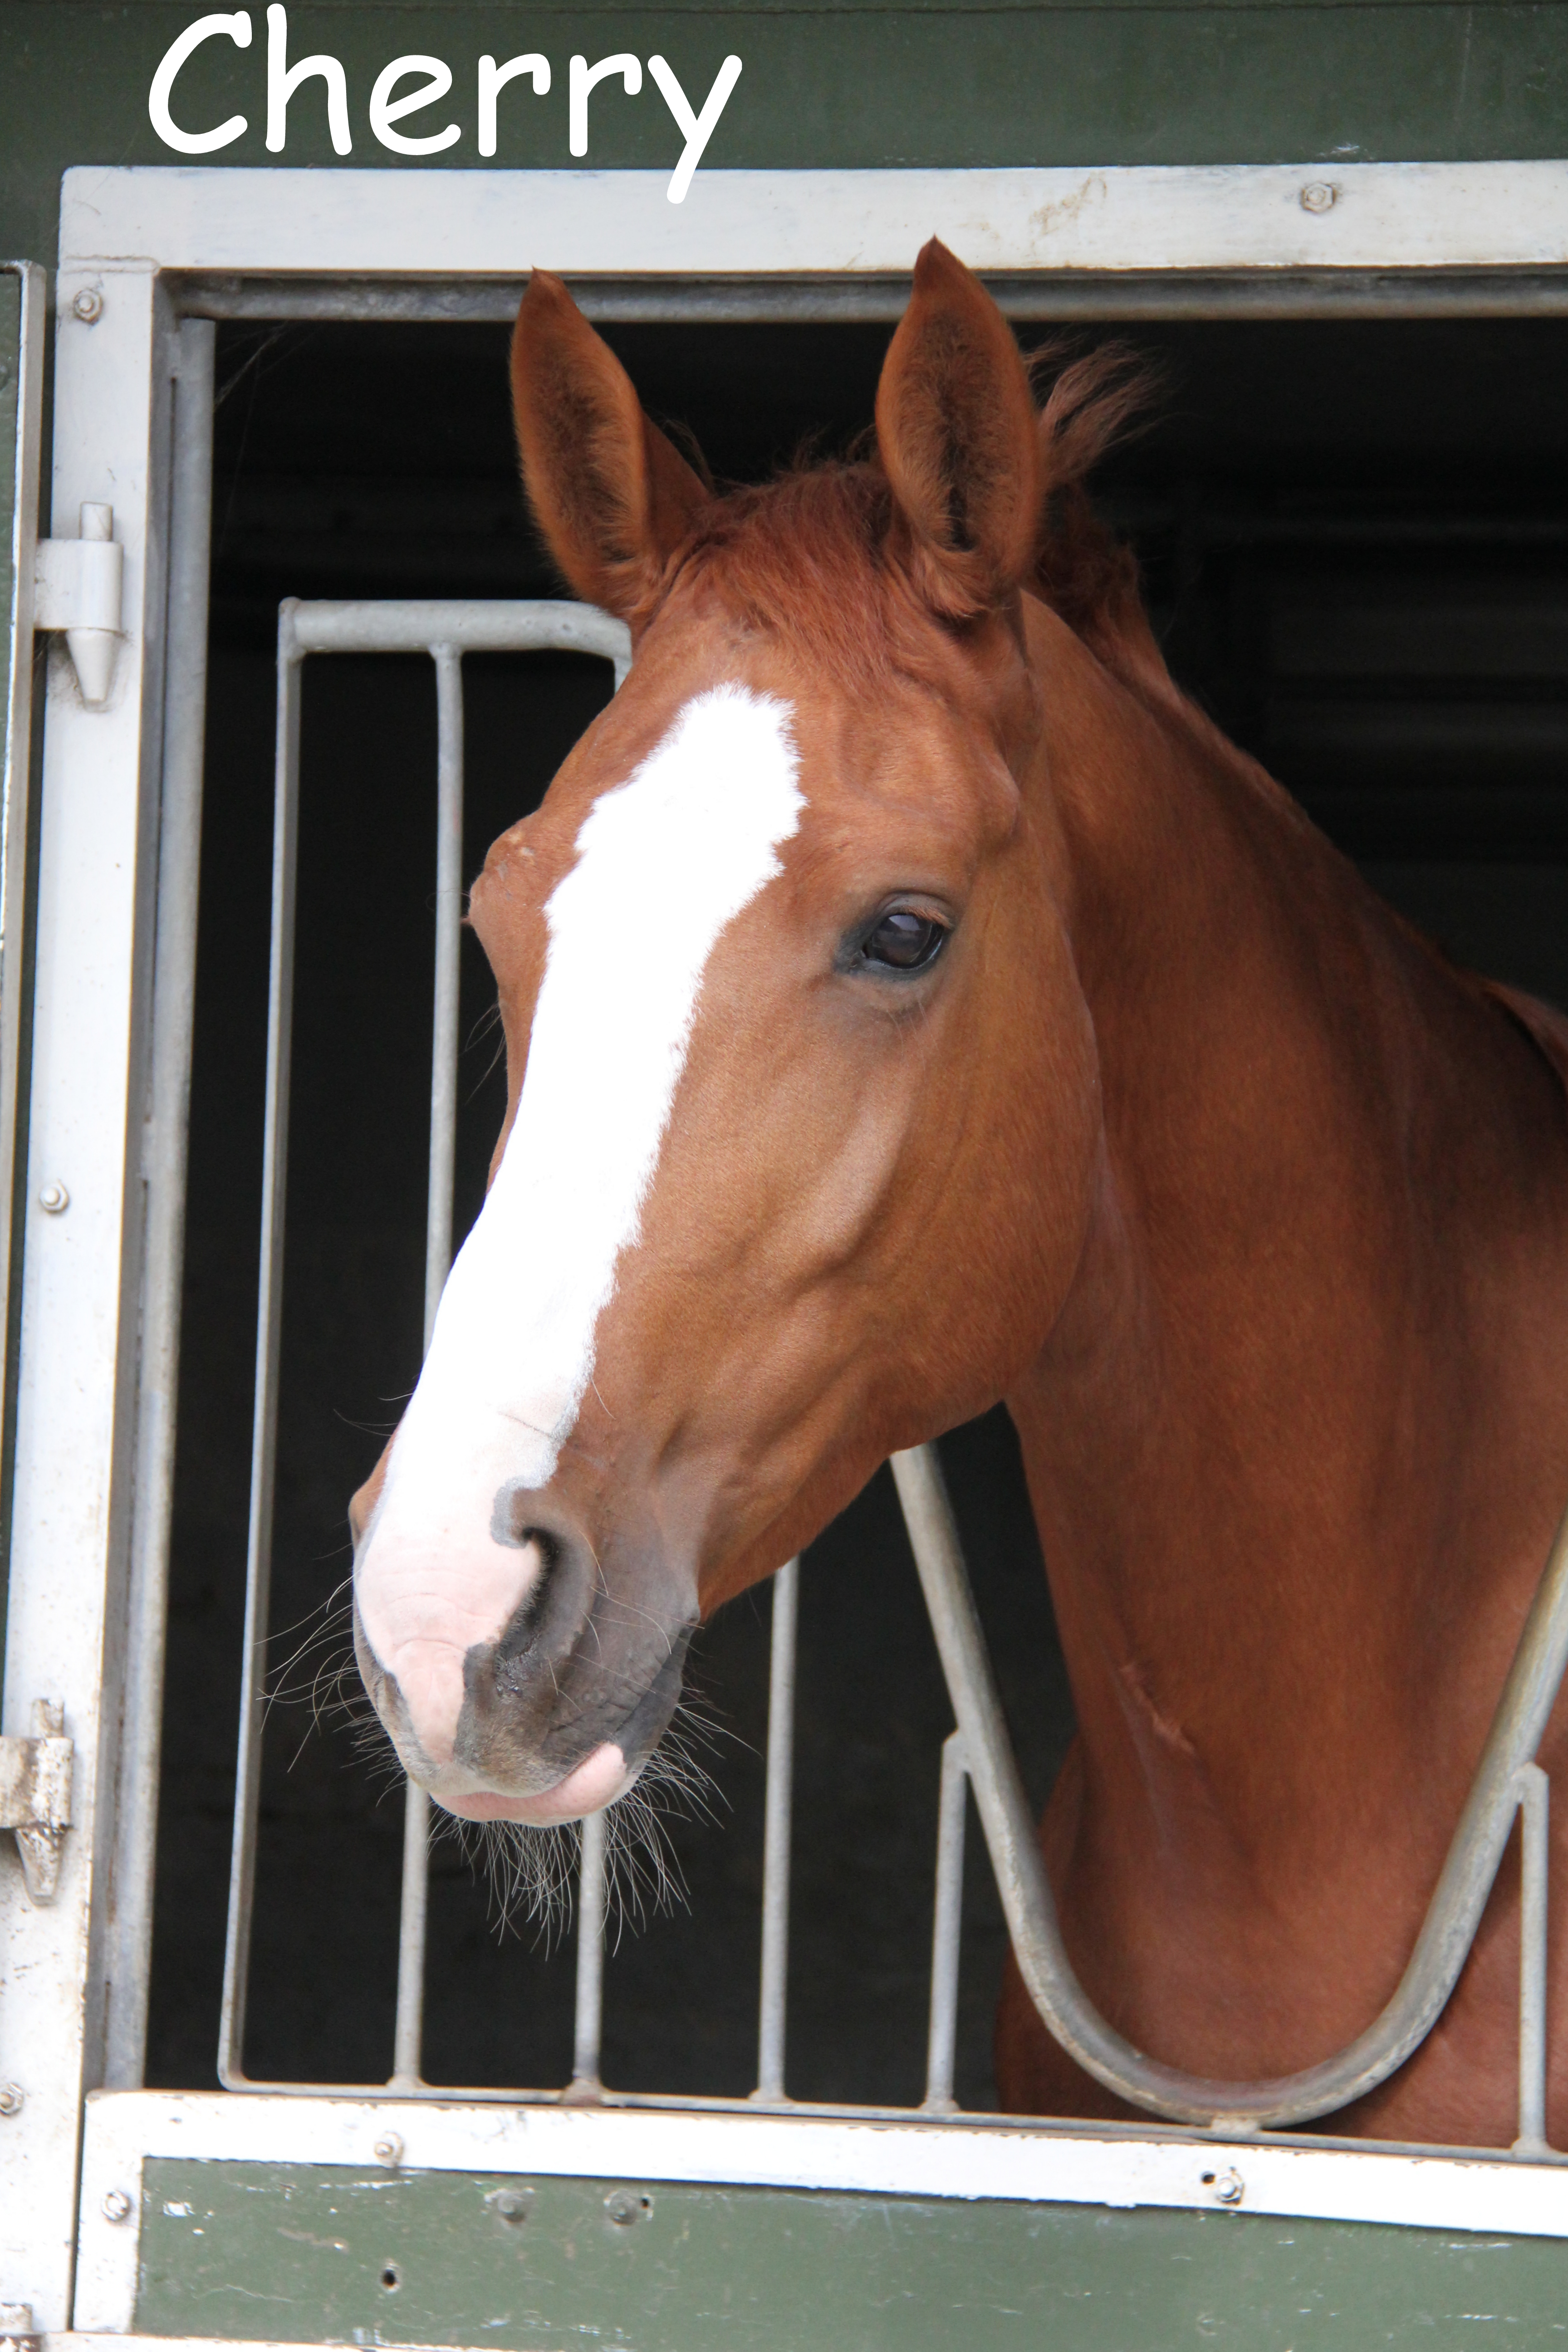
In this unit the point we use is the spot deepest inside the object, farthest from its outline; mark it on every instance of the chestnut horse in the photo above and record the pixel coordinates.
(912, 1001)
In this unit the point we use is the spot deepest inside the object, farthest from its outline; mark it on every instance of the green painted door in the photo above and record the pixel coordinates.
(318, 2253)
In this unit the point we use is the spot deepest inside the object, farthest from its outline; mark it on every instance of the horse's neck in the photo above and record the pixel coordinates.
(1285, 1390)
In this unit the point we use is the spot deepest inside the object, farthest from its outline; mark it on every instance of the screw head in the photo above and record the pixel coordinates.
(88, 306)
(511, 2204)
(389, 2151)
(116, 2205)
(53, 1197)
(1318, 196)
(10, 2098)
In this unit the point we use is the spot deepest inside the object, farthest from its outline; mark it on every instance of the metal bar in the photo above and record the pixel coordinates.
(773, 2002)
(586, 2087)
(269, 1338)
(467, 624)
(1447, 1933)
(1265, 292)
(414, 1906)
(1534, 1790)
(445, 628)
(129, 1958)
(18, 682)
(408, 2031)
(448, 935)
(947, 1927)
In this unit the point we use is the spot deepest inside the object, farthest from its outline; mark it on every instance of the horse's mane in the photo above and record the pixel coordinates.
(808, 554)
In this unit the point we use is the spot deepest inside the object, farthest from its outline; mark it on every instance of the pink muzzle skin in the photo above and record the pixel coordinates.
(597, 1782)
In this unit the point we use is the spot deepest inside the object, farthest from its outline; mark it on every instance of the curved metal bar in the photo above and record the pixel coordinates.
(1452, 1917)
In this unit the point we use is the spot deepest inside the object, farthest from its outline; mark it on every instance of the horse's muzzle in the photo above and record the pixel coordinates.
(519, 1675)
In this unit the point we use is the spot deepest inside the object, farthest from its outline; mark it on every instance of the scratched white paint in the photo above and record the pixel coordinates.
(664, 862)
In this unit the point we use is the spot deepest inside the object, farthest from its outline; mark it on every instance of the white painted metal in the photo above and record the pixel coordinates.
(446, 630)
(75, 1417)
(1453, 1915)
(128, 1956)
(1534, 1791)
(119, 229)
(16, 782)
(947, 1927)
(400, 223)
(1096, 2164)
(589, 2013)
(774, 1990)
(79, 588)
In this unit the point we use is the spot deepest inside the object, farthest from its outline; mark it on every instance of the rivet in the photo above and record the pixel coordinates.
(88, 306)
(1318, 196)
(623, 2207)
(117, 2205)
(53, 1197)
(389, 2150)
(510, 2204)
(10, 2098)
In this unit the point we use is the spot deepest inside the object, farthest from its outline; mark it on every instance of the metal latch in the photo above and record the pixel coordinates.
(76, 587)
(36, 1797)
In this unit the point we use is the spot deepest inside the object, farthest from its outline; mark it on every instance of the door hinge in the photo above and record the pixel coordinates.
(36, 1797)
(76, 587)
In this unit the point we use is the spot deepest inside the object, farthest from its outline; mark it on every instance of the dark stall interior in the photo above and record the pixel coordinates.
(1353, 540)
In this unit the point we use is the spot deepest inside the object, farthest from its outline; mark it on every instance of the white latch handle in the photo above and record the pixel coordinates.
(78, 585)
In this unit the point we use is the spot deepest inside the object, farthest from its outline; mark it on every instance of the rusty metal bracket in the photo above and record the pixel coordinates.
(36, 1797)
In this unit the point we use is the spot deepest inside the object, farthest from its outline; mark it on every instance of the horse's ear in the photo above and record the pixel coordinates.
(612, 496)
(957, 435)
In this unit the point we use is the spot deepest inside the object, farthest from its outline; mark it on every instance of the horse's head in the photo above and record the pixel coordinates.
(802, 1088)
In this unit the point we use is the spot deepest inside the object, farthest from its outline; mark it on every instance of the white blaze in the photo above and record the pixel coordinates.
(664, 862)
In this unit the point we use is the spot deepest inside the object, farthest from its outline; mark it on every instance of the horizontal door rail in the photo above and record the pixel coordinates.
(1507, 1780)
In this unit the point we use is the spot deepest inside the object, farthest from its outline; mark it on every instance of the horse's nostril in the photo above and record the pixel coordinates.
(522, 1627)
(511, 1524)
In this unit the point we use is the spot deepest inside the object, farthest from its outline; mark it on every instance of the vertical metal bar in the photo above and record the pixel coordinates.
(775, 1991)
(585, 2084)
(449, 937)
(1535, 1802)
(409, 2033)
(128, 1956)
(947, 1926)
(269, 1340)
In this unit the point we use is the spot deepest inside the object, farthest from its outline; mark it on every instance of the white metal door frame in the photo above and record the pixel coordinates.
(1383, 238)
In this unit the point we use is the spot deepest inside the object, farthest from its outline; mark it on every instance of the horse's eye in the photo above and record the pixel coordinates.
(904, 941)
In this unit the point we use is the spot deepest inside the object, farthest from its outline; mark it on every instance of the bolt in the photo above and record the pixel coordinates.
(116, 2205)
(1318, 196)
(89, 306)
(623, 2207)
(1230, 2188)
(10, 2098)
(389, 2151)
(53, 1197)
(510, 2204)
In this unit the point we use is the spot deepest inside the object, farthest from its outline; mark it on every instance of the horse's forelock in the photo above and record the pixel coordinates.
(807, 557)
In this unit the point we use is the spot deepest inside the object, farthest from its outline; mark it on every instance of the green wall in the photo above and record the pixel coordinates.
(858, 82)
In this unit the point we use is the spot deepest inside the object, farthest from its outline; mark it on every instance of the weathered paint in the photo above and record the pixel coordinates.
(860, 83)
(315, 2253)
